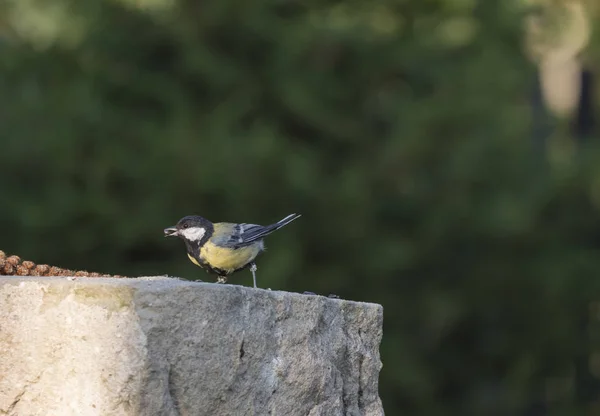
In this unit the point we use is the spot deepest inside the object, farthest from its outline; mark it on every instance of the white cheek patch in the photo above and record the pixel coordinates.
(194, 233)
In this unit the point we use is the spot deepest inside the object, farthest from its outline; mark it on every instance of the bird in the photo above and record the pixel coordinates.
(224, 248)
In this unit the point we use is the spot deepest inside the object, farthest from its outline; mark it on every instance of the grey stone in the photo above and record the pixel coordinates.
(163, 346)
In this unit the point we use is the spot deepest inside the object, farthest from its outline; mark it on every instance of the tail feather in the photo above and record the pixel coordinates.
(256, 232)
(259, 232)
(285, 221)
(279, 224)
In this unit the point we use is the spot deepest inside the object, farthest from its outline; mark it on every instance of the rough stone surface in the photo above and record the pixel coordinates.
(161, 346)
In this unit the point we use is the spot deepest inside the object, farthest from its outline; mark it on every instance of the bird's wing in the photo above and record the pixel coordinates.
(237, 235)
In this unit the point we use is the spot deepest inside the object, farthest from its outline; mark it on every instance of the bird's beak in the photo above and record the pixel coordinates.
(171, 232)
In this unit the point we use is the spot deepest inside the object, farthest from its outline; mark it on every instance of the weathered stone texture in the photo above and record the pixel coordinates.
(161, 346)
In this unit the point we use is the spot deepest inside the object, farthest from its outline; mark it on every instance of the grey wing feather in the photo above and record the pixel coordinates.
(241, 235)
(245, 234)
(252, 232)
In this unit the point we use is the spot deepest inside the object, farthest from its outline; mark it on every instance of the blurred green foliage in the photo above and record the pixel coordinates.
(401, 130)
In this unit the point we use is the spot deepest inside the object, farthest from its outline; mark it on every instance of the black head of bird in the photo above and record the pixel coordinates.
(224, 248)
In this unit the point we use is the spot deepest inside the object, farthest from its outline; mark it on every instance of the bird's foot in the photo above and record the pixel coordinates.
(253, 269)
(221, 279)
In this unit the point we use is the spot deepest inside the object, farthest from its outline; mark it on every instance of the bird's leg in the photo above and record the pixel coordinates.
(253, 269)
(222, 279)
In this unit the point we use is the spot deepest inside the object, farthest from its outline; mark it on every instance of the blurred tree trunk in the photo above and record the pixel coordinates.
(564, 88)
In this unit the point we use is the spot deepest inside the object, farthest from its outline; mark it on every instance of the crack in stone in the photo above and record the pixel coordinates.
(171, 391)
(22, 393)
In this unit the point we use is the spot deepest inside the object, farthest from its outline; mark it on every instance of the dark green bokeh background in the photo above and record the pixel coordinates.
(401, 130)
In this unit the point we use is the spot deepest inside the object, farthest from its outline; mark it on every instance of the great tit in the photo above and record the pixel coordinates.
(223, 248)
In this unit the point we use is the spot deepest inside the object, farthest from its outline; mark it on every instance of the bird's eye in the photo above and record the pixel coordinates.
(185, 225)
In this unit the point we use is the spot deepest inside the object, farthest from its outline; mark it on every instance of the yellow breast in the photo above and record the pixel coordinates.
(228, 259)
